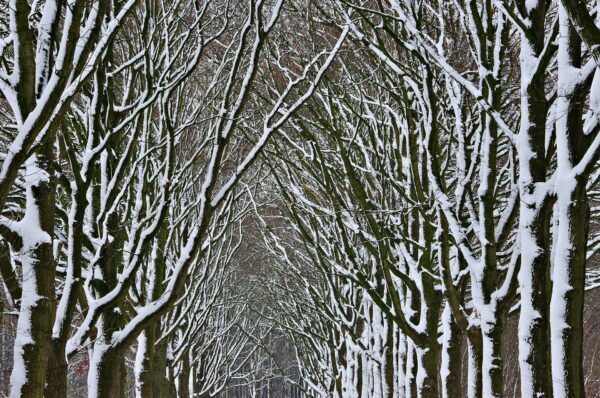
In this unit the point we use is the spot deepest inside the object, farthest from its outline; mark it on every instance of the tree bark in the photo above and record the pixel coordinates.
(475, 364)
(183, 390)
(144, 364)
(106, 378)
(492, 357)
(36, 317)
(535, 214)
(568, 287)
(430, 350)
(107, 365)
(161, 385)
(57, 374)
(389, 370)
(451, 363)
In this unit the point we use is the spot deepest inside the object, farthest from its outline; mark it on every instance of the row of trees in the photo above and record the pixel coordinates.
(434, 174)
(127, 127)
(440, 181)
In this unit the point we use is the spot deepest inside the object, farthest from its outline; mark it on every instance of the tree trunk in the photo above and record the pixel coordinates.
(566, 307)
(172, 392)
(428, 371)
(36, 316)
(57, 374)
(411, 370)
(183, 390)
(161, 386)
(359, 374)
(106, 378)
(475, 365)
(144, 364)
(430, 350)
(568, 294)
(58, 368)
(492, 365)
(107, 366)
(534, 214)
(389, 370)
(451, 363)
(148, 356)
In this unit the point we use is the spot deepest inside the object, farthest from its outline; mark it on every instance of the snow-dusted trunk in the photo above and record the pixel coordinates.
(183, 379)
(535, 211)
(586, 24)
(568, 290)
(106, 377)
(56, 380)
(342, 363)
(149, 355)
(425, 382)
(451, 356)
(359, 368)
(490, 309)
(389, 369)
(568, 274)
(57, 373)
(475, 363)
(534, 281)
(421, 363)
(359, 375)
(107, 363)
(411, 367)
(161, 385)
(381, 338)
(35, 253)
(151, 366)
(144, 361)
(411, 363)
(453, 320)
(400, 364)
(492, 358)
(429, 303)
(429, 352)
